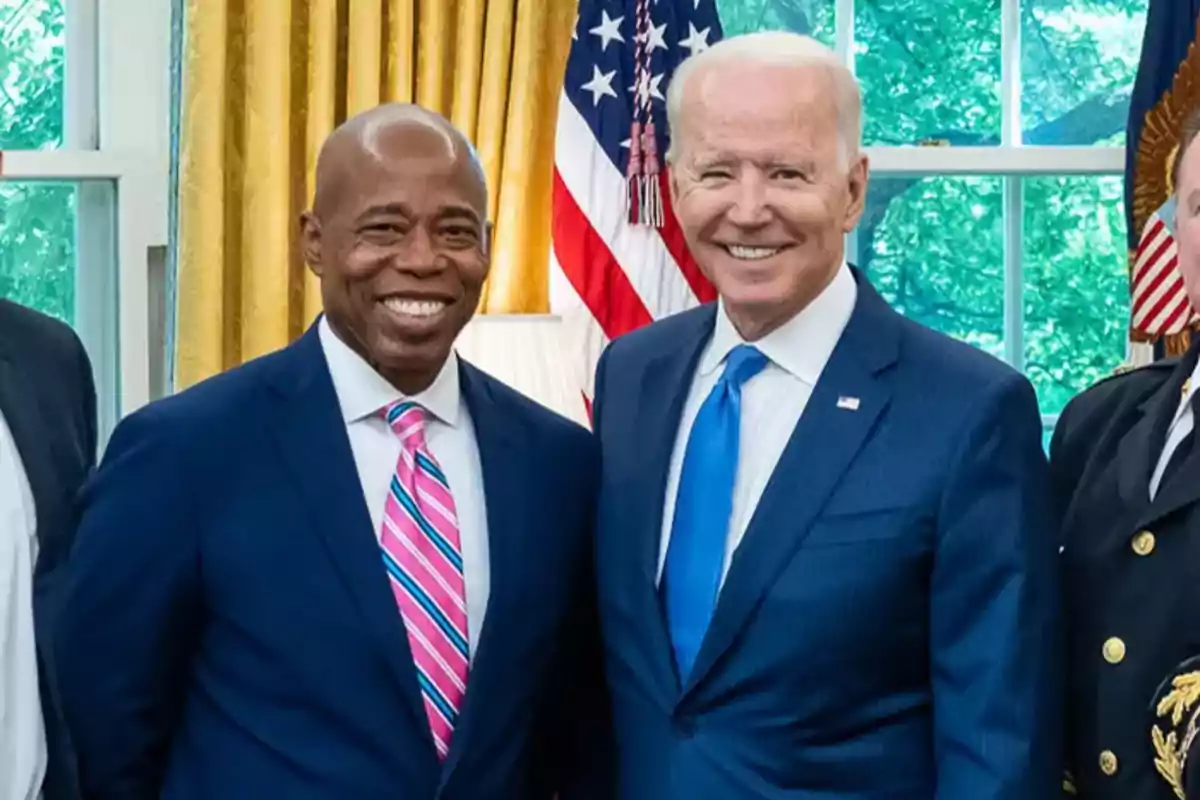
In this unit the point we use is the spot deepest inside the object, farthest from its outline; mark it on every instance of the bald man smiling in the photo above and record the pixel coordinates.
(356, 568)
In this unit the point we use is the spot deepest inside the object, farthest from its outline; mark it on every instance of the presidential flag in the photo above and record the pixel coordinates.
(619, 260)
(1166, 89)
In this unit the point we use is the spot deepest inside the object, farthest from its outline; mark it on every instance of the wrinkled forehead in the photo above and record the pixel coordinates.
(758, 106)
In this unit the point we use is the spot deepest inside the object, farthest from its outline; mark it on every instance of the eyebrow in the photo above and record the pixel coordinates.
(459, 212)
(385, 210)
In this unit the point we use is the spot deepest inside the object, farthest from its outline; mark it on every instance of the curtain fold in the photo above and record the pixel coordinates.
(266, 81)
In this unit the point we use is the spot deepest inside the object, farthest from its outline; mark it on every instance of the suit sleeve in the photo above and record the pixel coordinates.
(995, 627)
(129, 622)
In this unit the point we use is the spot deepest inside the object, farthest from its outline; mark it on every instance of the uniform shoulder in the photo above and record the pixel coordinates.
(1125, 381)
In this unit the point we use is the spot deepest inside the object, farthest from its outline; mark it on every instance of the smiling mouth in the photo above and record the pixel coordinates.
(748, 253)
(408, 308)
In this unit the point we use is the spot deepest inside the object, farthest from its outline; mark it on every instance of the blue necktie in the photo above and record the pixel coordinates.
(696, 552)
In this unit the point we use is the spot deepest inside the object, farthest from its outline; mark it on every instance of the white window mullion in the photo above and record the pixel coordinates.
(843, 37)
(1014, 278)
(1013, 211)
(81, 90)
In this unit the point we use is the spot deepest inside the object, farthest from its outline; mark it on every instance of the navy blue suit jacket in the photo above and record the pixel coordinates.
(48, 399)
(229, 631)
(889, 624)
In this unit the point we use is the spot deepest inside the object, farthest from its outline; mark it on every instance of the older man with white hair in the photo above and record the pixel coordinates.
(826, 555)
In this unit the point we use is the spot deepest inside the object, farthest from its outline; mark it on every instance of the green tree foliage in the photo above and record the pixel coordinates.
(931, 72)
(37, 220)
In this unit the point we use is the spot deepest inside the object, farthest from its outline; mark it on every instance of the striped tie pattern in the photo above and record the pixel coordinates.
(423, 555)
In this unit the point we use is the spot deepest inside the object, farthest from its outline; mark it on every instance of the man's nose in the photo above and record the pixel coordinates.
(749, 208)
(418, 254)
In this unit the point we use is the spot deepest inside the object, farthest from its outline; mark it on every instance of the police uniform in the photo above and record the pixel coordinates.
(1127, 482)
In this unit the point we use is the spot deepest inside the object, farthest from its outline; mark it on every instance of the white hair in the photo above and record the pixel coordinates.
(784, 49)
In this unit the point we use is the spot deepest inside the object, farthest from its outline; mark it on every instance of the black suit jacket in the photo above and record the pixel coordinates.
(1132, 586)
(48, 400)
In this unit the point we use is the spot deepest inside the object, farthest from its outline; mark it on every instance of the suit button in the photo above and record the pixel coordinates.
(1143, 543)
(1108, 763)
(685, 727)
(1114, 651)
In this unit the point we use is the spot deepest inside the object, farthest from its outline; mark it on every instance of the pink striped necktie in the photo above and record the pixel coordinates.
(423, 554)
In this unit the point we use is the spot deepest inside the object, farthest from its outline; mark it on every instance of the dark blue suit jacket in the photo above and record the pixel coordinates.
(889, 625)
(48, 399)
(229, 631)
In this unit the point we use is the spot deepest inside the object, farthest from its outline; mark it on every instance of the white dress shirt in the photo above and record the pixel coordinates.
(1181, 426)
(22, 732)
(361, 393)
(772, 401)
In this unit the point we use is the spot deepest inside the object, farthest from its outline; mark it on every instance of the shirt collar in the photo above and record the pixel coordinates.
(361, 391)
(802, 345)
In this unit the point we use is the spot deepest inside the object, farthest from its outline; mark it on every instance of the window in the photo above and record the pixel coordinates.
(32, 73)
(995, 130)
(37, 259)
(83, 178)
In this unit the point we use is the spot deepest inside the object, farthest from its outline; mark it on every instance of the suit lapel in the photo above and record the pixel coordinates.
(508, 475)
(822, 446)
(664, 389)
(308, 429)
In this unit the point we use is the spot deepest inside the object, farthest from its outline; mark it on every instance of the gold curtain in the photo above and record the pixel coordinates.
(266, 81)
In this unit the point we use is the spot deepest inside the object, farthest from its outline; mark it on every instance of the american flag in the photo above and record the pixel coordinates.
(619, 260)
(1160, 304)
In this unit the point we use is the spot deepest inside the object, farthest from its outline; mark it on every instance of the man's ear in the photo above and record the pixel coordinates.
(859, 175)
(310, 241)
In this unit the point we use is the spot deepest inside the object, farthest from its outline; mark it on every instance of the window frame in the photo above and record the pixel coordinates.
(1009, 160)
(115, 146)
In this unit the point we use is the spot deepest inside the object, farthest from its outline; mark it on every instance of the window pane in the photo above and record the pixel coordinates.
(929, 70)
(1078, 62)
(934, 248)
(37, 246)
(1076, 284)
(31, 73)
(812, 17)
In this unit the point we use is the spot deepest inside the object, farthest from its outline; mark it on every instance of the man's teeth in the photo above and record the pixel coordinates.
(752, 253)
(414, 308)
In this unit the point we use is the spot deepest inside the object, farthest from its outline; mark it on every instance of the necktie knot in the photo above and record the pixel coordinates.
(407, 420)
(743, 363)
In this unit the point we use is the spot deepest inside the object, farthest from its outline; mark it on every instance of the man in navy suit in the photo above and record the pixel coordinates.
(825, 549)
(358, 567)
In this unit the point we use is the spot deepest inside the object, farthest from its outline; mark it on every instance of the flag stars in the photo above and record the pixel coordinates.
(609, 30)
(657, 36)
(697, 41)
(648, 86)
(600, 85)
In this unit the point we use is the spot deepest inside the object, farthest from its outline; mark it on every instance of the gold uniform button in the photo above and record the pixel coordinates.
(1143, 543)
(1108, 762)
(1114, 651)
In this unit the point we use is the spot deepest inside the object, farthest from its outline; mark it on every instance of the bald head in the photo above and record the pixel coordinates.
(399, 238)
(378, 137)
